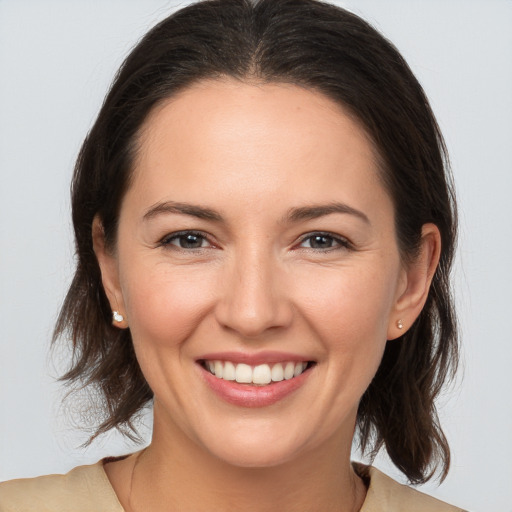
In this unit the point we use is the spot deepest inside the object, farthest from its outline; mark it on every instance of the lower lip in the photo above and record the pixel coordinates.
(245, 395)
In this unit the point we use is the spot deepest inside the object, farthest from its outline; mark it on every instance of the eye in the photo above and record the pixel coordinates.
(186, 240)
(323, 241)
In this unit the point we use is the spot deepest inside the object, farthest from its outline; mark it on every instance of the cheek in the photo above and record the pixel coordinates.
(165, 306)
(349, 312)
(349, 305)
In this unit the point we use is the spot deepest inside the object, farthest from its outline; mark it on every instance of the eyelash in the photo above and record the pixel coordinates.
(168, 239)
(340, 242)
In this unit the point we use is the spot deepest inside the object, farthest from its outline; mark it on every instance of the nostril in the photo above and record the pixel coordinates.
(253, 314)
(252, 297)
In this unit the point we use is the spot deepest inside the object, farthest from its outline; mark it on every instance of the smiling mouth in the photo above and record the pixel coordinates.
(259, 375)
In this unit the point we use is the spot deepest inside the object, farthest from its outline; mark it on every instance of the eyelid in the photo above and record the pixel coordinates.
(342, 241)
(166, 240)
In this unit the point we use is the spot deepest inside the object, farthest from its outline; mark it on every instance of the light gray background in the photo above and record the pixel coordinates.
(57, 59)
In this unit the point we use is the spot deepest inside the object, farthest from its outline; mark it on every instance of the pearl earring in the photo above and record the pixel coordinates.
(117, 316)
(399, 324)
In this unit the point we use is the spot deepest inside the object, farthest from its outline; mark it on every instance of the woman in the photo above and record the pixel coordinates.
(265, 229)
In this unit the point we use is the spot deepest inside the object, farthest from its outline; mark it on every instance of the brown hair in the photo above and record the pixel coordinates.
(320, 47)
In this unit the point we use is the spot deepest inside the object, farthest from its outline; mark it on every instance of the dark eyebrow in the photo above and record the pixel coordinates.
(315, 211)
(182, 209)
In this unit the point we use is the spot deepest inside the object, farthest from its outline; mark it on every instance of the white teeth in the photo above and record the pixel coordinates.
(289, 370)
(261, 374)
(218, 369)
(229, 372)
(243, 373)
(277, 372)
(298, 369)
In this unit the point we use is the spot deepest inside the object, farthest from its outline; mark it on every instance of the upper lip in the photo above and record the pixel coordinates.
(255, 358)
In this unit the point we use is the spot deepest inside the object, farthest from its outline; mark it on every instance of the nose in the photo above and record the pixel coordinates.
(253, 298)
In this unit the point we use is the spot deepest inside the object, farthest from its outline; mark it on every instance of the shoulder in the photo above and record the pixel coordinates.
(387, 495)
(83, 489)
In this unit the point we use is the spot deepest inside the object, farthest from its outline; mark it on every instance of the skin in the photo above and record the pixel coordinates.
(252, 153)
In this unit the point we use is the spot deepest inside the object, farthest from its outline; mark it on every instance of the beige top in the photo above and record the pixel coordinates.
(87, 489)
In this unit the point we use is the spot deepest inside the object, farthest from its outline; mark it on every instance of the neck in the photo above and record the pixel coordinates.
(174, 473)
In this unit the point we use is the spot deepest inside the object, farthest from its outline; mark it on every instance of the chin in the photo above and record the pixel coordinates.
(255, 456)
(248, 449)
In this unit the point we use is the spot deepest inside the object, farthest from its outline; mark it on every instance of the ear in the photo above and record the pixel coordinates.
(109, 273)
(418, 276)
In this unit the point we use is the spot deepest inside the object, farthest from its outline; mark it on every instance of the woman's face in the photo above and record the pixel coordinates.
(256, 240)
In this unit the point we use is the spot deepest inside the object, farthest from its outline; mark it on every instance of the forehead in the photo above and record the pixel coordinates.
(230, 113)
(221, 134)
